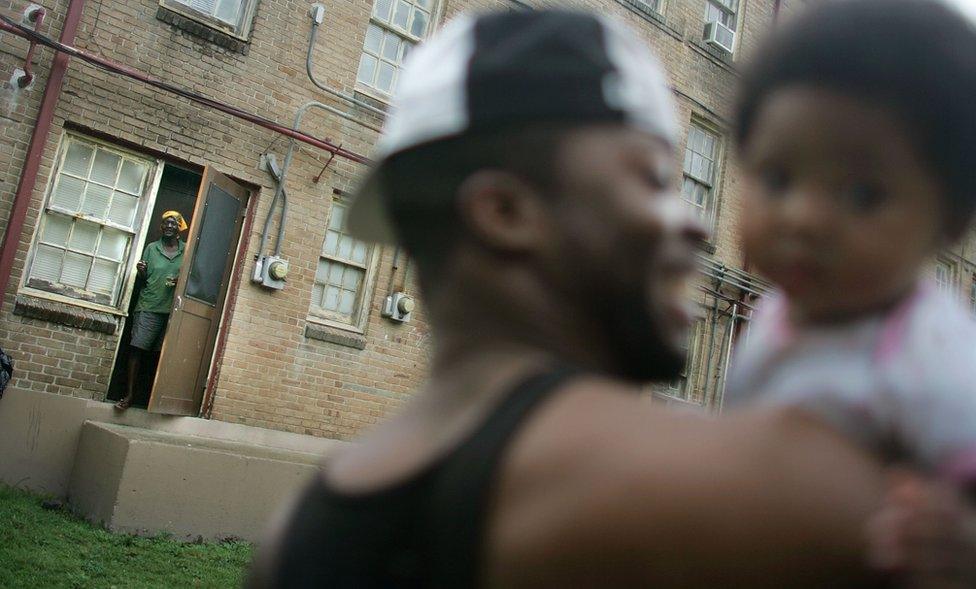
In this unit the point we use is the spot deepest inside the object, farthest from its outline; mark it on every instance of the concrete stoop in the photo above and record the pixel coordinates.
(145, 473)
(143, 481)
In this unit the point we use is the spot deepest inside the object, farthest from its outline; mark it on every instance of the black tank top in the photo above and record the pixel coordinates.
(427, 531)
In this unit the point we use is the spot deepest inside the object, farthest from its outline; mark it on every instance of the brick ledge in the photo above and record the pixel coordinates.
(65, 314)
(201, 30)
(333, 335)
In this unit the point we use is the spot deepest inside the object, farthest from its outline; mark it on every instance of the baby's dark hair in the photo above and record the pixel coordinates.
(916, 58)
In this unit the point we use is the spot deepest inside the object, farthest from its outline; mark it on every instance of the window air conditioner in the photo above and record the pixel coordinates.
(719, 35)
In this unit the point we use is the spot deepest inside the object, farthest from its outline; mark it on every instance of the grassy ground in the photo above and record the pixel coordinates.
(52, 548)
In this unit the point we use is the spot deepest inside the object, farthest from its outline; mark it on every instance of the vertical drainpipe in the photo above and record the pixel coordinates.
(35, 149)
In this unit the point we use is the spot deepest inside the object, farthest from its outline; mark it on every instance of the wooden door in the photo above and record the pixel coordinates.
(208, 263)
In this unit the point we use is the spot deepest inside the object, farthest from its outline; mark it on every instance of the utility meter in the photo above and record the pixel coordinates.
(278, 270)
(273, 270)
(398, 307)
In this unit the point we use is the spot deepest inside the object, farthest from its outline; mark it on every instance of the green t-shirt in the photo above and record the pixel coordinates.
(157, 295)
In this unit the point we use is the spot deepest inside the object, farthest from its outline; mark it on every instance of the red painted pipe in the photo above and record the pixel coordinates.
(129, 72)
(35, 149)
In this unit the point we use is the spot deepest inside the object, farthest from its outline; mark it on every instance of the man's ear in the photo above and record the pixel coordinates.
(503, 211)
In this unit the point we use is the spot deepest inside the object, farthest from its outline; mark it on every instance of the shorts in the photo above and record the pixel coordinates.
(148, 329)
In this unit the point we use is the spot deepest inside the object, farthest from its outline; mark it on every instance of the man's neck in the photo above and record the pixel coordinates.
(170, 242)
(486, 331)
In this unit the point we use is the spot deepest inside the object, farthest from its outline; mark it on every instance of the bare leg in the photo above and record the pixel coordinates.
(135, 355)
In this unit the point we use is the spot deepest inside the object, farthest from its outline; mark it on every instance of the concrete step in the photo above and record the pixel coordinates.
(144, 481)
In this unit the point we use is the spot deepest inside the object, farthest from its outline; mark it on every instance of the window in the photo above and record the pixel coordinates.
(231, 16)
(972, 295)
(394, 28)
(652, 5)
(680, 386)
(722, 11)
(943, 276)
(698, 185)
(342, 273)
(90, 218)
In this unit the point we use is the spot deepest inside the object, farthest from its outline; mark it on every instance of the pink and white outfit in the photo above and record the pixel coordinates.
(902, 382)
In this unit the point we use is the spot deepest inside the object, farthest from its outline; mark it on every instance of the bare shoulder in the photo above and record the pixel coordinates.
(602, 488)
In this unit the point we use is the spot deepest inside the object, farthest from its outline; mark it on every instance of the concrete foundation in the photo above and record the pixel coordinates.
(144, 473)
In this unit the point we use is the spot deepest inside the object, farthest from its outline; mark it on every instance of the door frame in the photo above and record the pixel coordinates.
(212, 177)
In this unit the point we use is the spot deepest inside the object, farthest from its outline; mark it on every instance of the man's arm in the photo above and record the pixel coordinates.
(602, 490)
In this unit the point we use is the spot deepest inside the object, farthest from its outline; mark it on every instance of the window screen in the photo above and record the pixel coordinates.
(214, 245)
(943, 276)
(722, 11)
(395, 27)
(700, 164)
(89, 221)
(340, 277)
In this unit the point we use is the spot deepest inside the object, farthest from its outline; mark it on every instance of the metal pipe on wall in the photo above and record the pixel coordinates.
(35, 149)
(318, 15)
(720, 390)
(280, 181)
(35, 16)
(711, 349)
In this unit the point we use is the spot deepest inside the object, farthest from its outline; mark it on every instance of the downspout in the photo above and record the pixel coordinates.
(35, 149)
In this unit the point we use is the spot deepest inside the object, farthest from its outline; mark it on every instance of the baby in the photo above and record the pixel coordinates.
(857, 132)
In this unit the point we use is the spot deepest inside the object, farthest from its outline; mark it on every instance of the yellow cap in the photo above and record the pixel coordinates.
(180, 222)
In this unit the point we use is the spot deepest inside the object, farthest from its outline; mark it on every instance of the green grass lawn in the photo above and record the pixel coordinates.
(42, 548)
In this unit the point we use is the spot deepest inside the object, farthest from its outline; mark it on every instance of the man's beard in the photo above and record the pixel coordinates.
(637, 342)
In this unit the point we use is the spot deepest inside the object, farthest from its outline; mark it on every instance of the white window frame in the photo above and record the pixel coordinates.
(130, 257)
(241, 30)
(727, 8)
(944, 283)
(357, 321)
(707, 210)
(387, 28)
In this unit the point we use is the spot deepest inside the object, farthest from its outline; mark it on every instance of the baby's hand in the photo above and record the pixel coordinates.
(924, 534)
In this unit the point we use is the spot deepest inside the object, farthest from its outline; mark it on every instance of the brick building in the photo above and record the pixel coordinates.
(317, 356)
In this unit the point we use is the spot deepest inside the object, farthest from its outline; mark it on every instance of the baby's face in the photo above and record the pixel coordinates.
(840, 211)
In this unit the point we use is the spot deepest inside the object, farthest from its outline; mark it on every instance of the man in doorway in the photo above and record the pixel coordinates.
(529, 170)
(160, 268)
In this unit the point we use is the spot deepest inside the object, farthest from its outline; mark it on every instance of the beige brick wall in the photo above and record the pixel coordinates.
(272, 375)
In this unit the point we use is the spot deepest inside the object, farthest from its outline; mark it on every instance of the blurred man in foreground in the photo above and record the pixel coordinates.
(529, 170)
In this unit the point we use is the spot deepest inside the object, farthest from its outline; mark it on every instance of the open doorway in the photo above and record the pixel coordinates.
(178, 189)
(179, 374)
